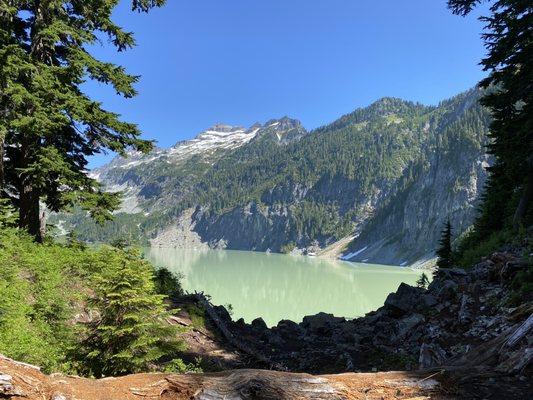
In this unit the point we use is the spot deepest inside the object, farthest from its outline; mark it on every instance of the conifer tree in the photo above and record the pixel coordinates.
(423, 281)
(131, 331)
(509, 41)
(48, 125)
(444, 252)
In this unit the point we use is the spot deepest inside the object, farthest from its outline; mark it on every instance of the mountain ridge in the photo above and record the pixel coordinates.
(279, 187)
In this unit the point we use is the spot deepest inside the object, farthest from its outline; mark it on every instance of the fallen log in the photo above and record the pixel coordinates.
(519, 333)
(20, 381)
(501, 355)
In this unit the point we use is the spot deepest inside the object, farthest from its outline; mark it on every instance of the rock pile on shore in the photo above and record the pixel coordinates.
(416, 328)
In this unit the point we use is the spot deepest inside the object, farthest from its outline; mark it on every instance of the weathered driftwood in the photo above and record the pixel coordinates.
(519, 333)
(231, 338)
(23, 382)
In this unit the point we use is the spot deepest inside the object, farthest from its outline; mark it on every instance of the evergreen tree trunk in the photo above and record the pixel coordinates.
(29, 216)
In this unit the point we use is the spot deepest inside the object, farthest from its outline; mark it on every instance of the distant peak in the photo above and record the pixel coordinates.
(388, 101)
(223, 128)
(284, 123)
(255, 126)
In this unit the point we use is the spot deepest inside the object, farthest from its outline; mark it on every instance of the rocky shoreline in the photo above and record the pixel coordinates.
(457, 339)
(441, 327)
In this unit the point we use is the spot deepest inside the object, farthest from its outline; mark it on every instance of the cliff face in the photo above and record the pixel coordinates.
(408, 227)
(389, 174)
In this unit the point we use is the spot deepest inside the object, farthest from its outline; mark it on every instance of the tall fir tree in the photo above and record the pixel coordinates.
(508, 38)
(48, 125)
(444, 252)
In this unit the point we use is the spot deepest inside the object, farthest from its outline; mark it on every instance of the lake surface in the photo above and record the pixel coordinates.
(276, 286)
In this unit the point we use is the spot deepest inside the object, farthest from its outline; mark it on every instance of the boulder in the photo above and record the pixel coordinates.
(288, 328)
(511, 268)
(259, 324)
(223, 313)
(428, 300)
(320, 323)
(349, 332)
(405, 299)
(465, 311)
(431, 355)
(407, 324)
(240, 324)
(447, 290)
(480, 272)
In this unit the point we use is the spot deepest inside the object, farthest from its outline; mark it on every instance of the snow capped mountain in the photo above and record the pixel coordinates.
(209, 144)
(217, 137)
(274, 186)
(143, 177)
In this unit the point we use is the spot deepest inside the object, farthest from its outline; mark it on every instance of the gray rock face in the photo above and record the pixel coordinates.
(430, 356)
(415, 216)
(251, 227)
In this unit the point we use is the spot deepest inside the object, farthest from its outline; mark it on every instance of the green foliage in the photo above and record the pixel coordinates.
(39, 289)
(507, 38)
(131, 331)
(423, 281)
(8, 216)
(197, 315)
(318, 220)
(522, 287)
(45, 288)
(471, 249)
(288, 248)
(48, 125)
(444, 252)
(178, 366)
(168, 283)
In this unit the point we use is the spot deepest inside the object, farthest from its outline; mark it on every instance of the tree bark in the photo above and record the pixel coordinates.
(28, 202)
(29, 216)
(22, 381)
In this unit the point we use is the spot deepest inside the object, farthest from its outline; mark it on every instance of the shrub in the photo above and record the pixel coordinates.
(132, 331)
(44, 288)
(168, 283)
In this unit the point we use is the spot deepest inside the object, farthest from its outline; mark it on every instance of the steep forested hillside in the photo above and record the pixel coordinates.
(278, 187)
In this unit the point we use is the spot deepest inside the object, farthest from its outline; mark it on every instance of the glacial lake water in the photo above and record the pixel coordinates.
(276, 286)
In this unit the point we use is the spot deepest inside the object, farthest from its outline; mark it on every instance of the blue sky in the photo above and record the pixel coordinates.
(246, 61)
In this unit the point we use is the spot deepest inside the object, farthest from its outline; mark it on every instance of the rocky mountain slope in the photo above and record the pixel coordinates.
(389, 174)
